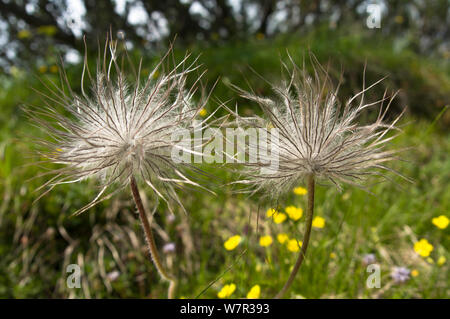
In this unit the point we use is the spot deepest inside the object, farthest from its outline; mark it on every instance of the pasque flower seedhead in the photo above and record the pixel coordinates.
(120, 128)
(316, 134)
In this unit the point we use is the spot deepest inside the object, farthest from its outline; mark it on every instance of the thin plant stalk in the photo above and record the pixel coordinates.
(306, 236)
(151, 241)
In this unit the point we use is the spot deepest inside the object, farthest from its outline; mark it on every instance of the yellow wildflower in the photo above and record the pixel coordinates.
(318, 222)
(48, 30)
(42, 69)
(441, 261)
(202, 112)
(300, 191)
(270, 212)
(254, 292)
(259, 36)
(294, 245)
(399, 19)
(282, 238)
(265, 241)
(430, 260)
(232, 242)
(440, 222)
(54, 68)
(333, 255)
(414, 273)
(226, 291)
(294, 213)
(423, 248)
(279, 218)
(23, 34)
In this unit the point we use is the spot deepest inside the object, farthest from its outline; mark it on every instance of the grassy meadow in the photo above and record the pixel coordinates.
(38, 241)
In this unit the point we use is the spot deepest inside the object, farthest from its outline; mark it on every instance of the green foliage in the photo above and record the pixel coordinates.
(424, 84)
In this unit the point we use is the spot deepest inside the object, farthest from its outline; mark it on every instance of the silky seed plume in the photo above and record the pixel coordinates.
(316, 134)
(119, 128)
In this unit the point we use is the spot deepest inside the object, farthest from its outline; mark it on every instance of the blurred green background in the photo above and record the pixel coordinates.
(411, 47)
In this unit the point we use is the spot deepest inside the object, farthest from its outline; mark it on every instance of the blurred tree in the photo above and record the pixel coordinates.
(32, 28)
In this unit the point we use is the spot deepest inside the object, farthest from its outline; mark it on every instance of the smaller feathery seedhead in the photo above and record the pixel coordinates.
(316, 135)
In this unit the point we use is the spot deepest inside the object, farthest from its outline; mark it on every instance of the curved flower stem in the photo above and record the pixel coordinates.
(301, 256)
(150, 240)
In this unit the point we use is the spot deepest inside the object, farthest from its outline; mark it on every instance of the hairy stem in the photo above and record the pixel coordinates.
(301, 256)
(150, 239)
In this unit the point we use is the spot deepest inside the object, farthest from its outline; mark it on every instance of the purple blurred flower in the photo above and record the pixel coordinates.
(369, 259)
(170, 218)
(400, 274)
(113, 275)
(169, 248)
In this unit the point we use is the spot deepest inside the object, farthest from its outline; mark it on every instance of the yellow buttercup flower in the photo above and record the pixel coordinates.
(440, 222)
(333, 255)
(300, 191)
(202, 112)
(270, 212)
(42, 69)
(399, 19)
(232, 242)
(265, 241)
(441, 260)
(414, 273)
(294, 213)
(54, 68)
(318, 222)
(294, 245)
(254, 292)
(279, 218)
(24, 34)
(226, 291)
(423, 248)
(49, 30)
(282, 238)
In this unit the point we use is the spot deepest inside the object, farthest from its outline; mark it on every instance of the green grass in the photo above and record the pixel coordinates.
(38, 241)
